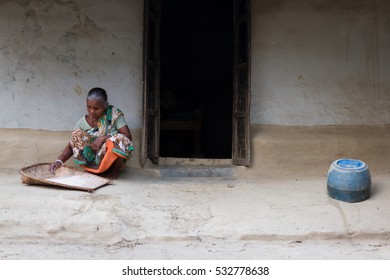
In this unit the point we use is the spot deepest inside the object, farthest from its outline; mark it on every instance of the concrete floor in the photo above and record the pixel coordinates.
(144, 216)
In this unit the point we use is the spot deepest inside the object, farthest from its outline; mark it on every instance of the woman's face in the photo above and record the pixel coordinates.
(95, 108)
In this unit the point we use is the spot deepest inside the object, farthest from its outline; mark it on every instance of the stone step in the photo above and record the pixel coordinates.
(197, 171)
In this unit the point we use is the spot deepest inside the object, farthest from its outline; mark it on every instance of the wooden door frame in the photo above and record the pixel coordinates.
(151, 85)
(241, 83)
(150, 133)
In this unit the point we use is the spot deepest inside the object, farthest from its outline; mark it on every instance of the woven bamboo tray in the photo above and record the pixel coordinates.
(64, 176)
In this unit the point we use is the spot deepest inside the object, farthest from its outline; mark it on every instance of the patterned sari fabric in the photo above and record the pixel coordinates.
(81, 141)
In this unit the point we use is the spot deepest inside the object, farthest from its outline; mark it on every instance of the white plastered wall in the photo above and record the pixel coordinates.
(320, 62)
(314, 62)
(53, 52)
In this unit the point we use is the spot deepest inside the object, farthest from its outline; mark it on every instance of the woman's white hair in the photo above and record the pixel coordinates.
(98, 94)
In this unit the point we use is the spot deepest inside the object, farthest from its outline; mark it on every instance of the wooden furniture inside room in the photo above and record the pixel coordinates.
(190, 124)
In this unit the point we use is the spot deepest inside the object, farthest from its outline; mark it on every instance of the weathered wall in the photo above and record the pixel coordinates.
(296, 151)
(320, 62)
(314, 62)
(52, 52)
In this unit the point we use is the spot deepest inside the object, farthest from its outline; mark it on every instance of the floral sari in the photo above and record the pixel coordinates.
(118, 145)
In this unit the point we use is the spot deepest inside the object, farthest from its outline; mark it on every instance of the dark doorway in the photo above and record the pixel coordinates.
(196, 78)
(209, 128)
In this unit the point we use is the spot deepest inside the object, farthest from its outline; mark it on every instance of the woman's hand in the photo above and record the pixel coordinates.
(98, 143)
(66, 154)
(54, 166)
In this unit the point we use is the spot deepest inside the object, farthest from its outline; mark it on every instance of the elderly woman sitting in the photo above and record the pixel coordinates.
(101, 141)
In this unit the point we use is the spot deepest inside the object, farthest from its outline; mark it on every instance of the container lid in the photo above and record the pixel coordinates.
(350, 164)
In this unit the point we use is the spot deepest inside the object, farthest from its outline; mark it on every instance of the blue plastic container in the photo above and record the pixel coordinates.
(349, 180)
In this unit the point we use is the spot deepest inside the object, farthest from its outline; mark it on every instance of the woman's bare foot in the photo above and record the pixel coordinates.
(111, 174)
(114, 171)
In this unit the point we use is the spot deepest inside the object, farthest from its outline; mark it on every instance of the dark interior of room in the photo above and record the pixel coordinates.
(196, 78)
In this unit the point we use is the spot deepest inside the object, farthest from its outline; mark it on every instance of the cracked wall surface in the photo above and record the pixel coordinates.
(52, 52)
(315, 62)
(320, 62)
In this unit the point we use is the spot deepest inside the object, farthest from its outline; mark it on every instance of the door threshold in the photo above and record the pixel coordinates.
(195, 167)
(172, 161)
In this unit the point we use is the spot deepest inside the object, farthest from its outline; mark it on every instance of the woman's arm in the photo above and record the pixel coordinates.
(65, 155)
(98, 143)
(126, 131)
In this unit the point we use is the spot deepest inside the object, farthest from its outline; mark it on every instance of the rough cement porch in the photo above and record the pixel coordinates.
(144, 216)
